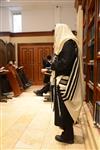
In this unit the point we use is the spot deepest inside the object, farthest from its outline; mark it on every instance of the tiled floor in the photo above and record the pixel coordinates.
(26, 123)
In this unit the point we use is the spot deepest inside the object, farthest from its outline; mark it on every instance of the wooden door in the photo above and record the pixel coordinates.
(30, 56)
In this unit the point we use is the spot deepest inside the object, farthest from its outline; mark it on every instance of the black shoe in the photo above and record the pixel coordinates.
(47, 100)
(39, 94)
(60, 139)
(36, 91)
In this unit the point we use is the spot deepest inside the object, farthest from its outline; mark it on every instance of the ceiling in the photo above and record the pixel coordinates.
(22, 3)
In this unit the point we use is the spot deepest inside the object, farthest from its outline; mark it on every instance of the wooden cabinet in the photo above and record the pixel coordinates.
(14, 80)
(91, 49)
(7, 52)
(31, 56)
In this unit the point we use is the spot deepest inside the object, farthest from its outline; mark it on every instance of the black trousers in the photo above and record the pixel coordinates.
(45, 89)
(68, 132)
(23, 77)
(5, 85)
(64, 120)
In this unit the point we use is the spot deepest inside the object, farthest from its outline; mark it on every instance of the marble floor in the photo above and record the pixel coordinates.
(26, 123)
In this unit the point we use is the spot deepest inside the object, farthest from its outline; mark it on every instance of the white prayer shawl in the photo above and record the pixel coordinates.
(72, 100)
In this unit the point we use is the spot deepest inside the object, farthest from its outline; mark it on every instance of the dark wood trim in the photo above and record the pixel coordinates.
(5, 34)
(21, 44)
(49, 43)
(26, 34)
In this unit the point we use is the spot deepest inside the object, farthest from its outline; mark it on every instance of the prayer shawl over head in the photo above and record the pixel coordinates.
(72, 90)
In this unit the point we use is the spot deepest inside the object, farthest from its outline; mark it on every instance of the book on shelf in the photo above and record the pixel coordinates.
(91, 82)
(98, 84)
(98, 52)
(98, 72)
(91, 85)
(91, 62)
(92, 52)
(90, 96)
(92, 74)
(97, 114)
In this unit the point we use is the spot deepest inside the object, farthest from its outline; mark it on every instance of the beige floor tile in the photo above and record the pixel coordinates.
(26, 123)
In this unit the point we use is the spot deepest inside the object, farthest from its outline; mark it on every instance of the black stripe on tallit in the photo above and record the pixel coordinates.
(62, 90)
(75, 85)
(73, 88)
(72, 84)
(73, 71)
(63, 81)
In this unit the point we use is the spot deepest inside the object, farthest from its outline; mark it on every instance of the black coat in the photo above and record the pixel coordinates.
(63, 66)
(64, 61)
(46, 64)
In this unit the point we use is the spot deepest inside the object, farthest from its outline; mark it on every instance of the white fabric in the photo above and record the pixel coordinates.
(52, 78)
(62, 34)
(75, 105)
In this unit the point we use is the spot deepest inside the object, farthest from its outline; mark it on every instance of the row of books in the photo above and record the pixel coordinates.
(91, 70)
(92, 32)
(91, 52)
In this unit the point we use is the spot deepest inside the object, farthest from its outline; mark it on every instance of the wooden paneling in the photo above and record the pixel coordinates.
(30, 56)
(7, 53)
(3, 56)
(27, 34)
(14, 80)
(10, 52)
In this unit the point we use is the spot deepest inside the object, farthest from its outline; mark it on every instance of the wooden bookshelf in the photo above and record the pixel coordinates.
(91, 49)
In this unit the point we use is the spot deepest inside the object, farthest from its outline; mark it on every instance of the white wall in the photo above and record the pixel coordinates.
(41, 18)
(5, 19)
(68, 16)
(38, 19)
